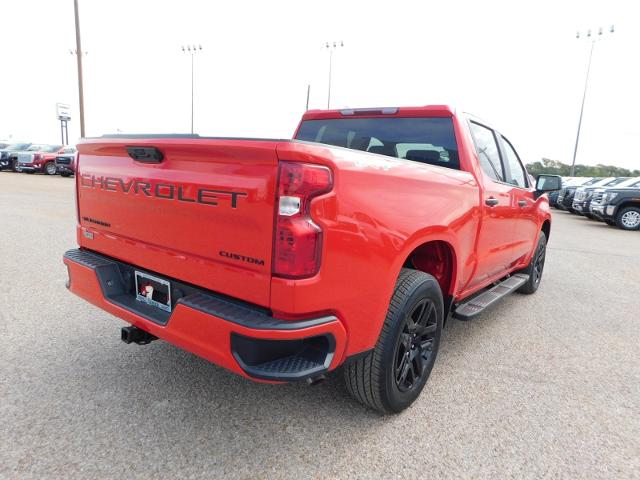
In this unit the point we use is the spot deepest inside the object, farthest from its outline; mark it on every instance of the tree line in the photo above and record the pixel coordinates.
(555, 167)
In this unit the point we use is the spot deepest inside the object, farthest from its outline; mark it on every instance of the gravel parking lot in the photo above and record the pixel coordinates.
(546, 385)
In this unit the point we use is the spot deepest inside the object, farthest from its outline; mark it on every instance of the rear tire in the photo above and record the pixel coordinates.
(628, 218)
(391, 377)
(65, 174)
(536, 267)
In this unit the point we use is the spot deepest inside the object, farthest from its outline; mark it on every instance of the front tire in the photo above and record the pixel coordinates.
(535, 267)
(50, 168)
(628, 218)
(391, 377)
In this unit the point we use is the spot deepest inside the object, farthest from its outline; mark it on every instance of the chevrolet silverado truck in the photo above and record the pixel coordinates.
(282, 260)
(619, 206)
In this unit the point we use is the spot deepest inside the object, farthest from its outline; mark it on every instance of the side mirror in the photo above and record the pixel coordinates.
(548, 183)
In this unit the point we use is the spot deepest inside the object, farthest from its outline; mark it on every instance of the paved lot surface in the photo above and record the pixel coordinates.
(542, 386)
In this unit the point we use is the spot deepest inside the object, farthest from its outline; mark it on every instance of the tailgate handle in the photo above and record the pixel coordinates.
(145, 154)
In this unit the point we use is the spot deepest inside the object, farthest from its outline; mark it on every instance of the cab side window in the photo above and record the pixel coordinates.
(518, 173)
(488, 152)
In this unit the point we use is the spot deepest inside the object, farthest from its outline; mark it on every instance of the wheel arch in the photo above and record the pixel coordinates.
(627, 203)
(546, 228)
(438, 259)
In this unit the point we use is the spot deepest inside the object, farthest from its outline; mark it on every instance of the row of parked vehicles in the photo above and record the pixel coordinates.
(34, 157)
(613, 200)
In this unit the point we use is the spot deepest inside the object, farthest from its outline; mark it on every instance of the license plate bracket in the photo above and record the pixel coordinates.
(153, 291)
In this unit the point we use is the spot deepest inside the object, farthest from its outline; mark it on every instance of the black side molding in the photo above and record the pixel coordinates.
(145, 154)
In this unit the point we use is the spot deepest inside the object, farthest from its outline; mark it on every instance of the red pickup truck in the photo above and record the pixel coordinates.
(37, 158)
(282, 260)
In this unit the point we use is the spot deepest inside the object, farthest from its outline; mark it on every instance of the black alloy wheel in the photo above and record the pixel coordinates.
(536, 266)
(415, 345)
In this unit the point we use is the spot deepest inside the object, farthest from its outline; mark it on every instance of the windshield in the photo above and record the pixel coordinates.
(425, 140)
(51, 148)
(18, 146)
(592, 181)
(630, 182)
(616, 181)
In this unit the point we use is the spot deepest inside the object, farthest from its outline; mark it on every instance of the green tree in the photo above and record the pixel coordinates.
(555, 167)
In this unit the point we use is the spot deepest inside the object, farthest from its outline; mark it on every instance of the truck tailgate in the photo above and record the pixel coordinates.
(194, 209)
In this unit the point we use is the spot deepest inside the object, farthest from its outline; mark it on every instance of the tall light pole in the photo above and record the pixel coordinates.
(79, 57)
(331, 46)
(593, 39)
(192, 50)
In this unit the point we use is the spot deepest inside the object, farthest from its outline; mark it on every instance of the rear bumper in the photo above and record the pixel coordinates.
(240, 337)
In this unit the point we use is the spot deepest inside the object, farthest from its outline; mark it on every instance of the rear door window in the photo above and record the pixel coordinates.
(426, 140)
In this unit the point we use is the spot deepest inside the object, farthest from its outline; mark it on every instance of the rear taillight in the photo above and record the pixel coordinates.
(298, 240)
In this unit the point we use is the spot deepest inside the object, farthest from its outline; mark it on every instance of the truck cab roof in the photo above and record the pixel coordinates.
(427, 110)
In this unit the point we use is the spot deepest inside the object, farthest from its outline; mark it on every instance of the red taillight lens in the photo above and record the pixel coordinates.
(298, 240)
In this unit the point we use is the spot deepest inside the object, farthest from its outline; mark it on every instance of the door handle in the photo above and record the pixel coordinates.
(522, 203)
(491, 202)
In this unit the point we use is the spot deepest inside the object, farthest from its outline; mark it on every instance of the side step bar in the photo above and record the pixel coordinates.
(476, 305)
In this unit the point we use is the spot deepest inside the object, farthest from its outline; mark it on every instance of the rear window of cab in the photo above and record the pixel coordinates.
(425, 140)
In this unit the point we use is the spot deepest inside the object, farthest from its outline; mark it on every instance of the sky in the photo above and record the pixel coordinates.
(516, 64)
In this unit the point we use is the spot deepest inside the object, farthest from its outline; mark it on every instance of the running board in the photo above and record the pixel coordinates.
(469, 309)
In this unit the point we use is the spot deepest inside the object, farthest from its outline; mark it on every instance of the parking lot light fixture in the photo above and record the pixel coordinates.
(192, 50)
(331, 46)
(593, 39)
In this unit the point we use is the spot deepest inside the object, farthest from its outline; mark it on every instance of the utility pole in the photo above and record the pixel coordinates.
(192, 50)
(331, 46)
(79, 57)
(593, 40)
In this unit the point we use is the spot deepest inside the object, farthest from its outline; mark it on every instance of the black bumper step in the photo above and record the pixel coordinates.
(476, 305)
(283, 360)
